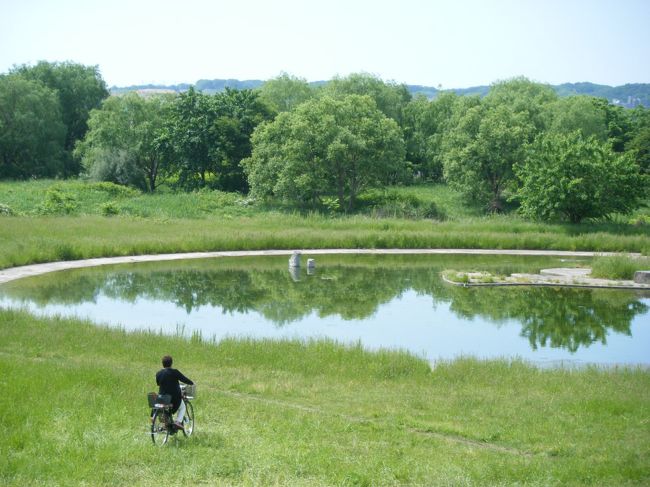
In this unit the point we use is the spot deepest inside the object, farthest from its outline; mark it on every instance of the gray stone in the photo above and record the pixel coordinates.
(566, 272)
(294, 260)
(642, 277)
(294, 272)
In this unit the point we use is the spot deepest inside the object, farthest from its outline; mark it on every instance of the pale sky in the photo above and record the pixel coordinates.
(455, 43)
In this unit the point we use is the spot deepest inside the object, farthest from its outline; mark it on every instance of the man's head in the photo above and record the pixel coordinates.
(167, 361)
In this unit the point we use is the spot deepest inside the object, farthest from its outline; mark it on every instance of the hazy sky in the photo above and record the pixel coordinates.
(456, 43)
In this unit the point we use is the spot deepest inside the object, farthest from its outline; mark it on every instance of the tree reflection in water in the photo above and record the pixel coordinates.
(555, 317)
(550, 316)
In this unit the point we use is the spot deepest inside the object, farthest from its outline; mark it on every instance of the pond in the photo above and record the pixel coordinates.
(392, 302)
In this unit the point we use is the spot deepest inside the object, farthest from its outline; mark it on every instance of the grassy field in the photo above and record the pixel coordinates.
(290, 413)
(47, 221)
(286, 413)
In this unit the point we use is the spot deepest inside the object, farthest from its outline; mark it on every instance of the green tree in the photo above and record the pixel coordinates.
(207, 136)
(390, 98)
(568, 176)
(31, 130)
(487, 139)
(328, 146)
(80, 89)
(619, 124)
(639, 143)
(482, 149)
(524, 97)
(425, 124)
(639, 147)
(285, 92)
(121, 144)
(580, 113)
(241, 111)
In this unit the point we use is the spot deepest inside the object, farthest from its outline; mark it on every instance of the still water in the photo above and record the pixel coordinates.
(394, 302)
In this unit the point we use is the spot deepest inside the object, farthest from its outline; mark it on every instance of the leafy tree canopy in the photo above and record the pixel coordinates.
(286, 92)
(327, 146)
(579, 113)
(390, 98)
(207, 136)
(79, 88)
(32, 132)
(481, 150)
(525, 97)
(121, 144)
(572, 177)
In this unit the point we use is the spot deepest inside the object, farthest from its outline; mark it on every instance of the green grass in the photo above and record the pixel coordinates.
(291, 413)
(449, 202)
(25, 240)
(315, 413)
(618, 267)
(64, 220)
(79, 198)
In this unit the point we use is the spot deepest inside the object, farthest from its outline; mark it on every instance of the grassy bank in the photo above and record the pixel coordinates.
(25, 240)
(287, 413)
(54, 220)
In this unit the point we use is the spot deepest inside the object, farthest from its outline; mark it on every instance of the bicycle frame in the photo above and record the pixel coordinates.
(162, 421)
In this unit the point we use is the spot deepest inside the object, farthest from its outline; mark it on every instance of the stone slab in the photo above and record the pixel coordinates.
(642, 277)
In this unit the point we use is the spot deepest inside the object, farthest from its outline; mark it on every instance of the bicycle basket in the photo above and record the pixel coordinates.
(158, 400)
(190, 390)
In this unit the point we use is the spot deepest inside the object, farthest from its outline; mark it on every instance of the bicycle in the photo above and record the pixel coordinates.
(162, 421)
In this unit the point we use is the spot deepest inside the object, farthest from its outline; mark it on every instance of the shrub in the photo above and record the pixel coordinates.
(109, 208)
(392, 204)
(114, 190)
(5, 210)
(57, 202)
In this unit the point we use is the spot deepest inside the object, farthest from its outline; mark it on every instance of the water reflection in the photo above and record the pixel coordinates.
(556, 317)
(549, 317)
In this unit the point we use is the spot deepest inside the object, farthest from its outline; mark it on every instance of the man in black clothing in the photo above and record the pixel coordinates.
(167, 380)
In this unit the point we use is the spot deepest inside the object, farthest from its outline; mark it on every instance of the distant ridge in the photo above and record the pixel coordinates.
(628, 95)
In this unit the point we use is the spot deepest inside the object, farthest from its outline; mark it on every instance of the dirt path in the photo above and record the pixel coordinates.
(14, 273)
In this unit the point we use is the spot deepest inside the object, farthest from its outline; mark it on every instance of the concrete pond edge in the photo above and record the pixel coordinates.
(14, 273)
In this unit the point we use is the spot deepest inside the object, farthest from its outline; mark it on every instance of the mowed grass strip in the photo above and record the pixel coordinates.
(313, 413)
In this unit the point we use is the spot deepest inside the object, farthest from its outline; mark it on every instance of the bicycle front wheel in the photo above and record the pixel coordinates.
(159, 428)
(188, 419)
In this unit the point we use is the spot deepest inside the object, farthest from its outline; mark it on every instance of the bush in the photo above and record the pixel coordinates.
(116, 166)
(114, 190)
(57, 202)
(109, 208)
(5, 210)
(392, 204)
(640, 220)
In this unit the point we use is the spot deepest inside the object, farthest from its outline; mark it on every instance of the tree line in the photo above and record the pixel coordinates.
(520, 146)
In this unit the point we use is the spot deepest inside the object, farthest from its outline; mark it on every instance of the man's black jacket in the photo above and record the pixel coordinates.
(167, 380)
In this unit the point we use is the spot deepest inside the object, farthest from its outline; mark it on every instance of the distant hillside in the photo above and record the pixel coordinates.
(629, 95)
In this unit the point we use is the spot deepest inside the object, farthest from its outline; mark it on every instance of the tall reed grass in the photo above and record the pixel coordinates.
(618, 267)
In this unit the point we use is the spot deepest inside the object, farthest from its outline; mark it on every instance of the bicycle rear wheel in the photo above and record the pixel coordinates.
(159, 428)
(188, 419)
